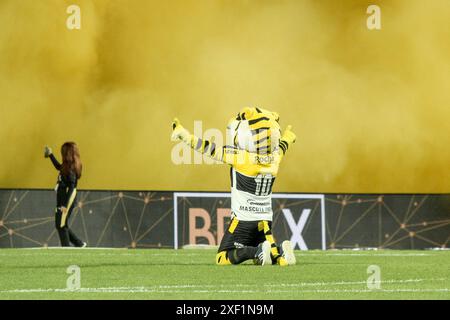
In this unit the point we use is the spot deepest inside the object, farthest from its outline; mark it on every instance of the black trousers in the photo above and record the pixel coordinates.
(66, 236)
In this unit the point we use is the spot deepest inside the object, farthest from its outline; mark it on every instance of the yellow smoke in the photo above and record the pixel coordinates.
(371, 108)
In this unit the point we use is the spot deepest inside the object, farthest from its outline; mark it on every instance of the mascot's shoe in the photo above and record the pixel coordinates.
(262, 256)
(288, 253)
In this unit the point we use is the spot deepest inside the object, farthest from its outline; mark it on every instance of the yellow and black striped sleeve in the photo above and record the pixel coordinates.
(225, 154)
(206, 147)
(284, 146)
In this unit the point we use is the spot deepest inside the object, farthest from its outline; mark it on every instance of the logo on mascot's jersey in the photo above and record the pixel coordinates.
(266, 159)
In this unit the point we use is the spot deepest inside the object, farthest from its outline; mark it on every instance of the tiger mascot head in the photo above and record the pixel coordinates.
(255, 130)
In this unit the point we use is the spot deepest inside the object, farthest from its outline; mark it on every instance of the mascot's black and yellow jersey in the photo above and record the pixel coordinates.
(254, 150)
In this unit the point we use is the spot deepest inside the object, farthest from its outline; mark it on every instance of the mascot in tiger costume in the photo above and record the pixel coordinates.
(254, 149)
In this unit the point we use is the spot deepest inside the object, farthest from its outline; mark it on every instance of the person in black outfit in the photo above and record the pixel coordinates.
(66, 191)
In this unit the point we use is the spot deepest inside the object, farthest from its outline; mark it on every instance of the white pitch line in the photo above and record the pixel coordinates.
(165, 288)
(365, 290)
(338, 283)
(150, 290)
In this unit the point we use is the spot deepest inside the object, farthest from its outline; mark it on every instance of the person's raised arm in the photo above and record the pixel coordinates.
(49, 154)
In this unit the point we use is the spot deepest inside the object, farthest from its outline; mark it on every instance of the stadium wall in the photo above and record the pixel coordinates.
(147, 219)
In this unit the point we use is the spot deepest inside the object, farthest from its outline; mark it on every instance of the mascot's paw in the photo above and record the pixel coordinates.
(175, 123)
(179, 132)
(288, 135)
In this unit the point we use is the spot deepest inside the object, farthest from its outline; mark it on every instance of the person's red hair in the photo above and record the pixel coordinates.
(71, 161)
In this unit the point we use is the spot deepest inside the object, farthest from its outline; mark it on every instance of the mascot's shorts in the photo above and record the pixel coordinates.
(246, 233)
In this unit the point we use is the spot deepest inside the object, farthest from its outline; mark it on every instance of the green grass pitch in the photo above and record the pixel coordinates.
(192, 274)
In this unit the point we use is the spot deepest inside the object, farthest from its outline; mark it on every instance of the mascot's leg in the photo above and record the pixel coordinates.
(260, 255)
(277, 258)
(238, 243)
(235, 256)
